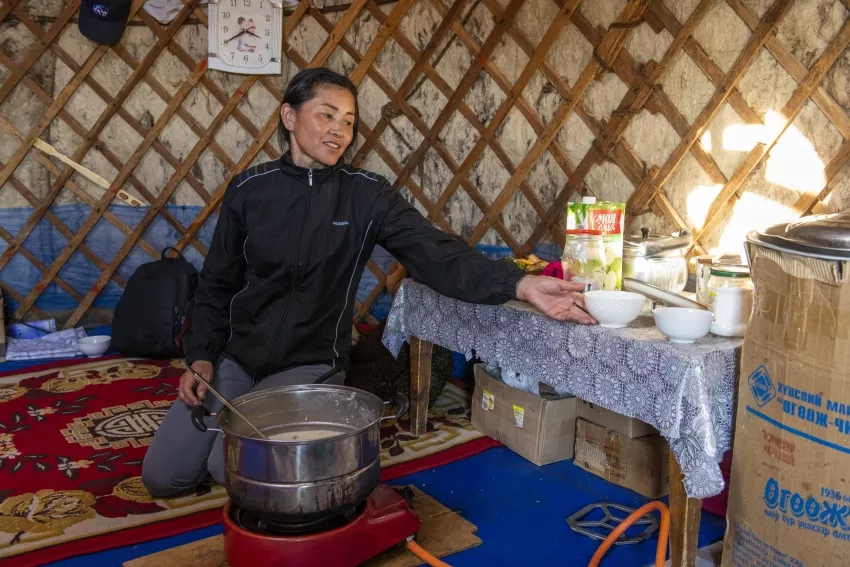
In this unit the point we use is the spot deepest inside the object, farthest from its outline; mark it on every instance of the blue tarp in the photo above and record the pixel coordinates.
(45, 243)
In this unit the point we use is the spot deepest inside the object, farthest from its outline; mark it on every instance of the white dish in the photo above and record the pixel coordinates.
(683, 325)
(94, 346)
(660, 295)
(614, 309)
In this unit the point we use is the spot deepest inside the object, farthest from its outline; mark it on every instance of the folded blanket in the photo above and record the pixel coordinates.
(31, 329)
(61, 344)
(554, 270)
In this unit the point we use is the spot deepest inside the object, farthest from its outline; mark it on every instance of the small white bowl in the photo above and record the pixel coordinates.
(683, 325)
(94, 346)
(614, 309)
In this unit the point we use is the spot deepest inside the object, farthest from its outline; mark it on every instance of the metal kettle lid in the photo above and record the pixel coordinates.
(646, 244)
(823, 236)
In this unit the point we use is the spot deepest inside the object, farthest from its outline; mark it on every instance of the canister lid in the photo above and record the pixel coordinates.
(646, 244)
(822, 236)
(726, 271)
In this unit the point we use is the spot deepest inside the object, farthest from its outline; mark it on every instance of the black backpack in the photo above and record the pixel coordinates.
(153, 313)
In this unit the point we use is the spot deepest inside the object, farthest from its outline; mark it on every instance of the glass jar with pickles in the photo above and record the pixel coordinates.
(584, 258)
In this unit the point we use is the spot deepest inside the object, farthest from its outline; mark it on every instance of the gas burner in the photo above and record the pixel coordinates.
(263, 526)
(385, 520)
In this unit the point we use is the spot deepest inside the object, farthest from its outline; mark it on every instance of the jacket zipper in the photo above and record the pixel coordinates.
(176, 323)
(273, 350)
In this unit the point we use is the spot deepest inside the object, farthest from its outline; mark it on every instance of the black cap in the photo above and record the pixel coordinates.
(103, 21)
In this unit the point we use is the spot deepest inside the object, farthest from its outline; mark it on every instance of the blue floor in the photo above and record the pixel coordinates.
(519, 508)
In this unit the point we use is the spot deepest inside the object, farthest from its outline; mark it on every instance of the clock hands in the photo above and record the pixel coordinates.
(226, 41)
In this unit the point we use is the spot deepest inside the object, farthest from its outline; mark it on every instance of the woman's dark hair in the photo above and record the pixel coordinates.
(303, 87)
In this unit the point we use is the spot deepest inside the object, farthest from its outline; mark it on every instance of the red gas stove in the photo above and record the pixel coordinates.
(342, 541)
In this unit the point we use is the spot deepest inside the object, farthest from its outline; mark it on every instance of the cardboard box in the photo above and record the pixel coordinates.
(789, 495)
(628, 426)
(639, 464)
(541, 430)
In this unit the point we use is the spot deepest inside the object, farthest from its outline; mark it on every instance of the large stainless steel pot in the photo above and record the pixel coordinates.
(302, 481)
(657, 259)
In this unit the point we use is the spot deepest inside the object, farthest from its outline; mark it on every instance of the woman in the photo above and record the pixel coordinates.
(275, 299)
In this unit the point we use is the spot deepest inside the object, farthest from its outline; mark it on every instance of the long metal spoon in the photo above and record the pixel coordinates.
(227, 404)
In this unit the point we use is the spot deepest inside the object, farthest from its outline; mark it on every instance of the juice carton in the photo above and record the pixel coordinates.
(577, 213)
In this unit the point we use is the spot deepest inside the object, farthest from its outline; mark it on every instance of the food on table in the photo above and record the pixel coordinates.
(531, 263)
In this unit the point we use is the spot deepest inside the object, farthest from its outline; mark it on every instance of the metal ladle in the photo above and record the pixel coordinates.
(227, 404)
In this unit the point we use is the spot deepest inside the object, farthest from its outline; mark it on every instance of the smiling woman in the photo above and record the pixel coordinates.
(275, 299)
(319, 117)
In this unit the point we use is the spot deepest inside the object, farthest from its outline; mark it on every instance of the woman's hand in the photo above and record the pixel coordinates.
(191, 392)
(556, 298)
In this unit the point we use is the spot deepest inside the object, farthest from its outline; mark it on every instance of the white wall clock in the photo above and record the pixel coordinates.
(245, 36)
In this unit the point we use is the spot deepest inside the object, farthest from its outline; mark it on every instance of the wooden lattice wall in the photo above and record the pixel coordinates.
(489, 114)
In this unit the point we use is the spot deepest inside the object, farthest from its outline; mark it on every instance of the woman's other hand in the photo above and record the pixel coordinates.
(191, 392)
(555, 298)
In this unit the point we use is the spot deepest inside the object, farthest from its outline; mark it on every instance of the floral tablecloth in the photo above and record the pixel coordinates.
(685, 391)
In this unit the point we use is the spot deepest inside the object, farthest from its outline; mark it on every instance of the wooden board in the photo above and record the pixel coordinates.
(443, 533)
(207, 552)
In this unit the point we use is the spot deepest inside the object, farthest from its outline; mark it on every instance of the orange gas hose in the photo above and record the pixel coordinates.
(417, 550)
(660, 552)
(663, 533)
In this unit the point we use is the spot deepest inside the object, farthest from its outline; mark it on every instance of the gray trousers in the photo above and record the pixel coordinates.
(180, 456)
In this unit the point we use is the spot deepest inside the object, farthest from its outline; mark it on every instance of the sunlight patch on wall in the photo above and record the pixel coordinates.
(751, 212)
(699, 201)
(767, 195)
(769, 191)
(794, 163)
(744, 137)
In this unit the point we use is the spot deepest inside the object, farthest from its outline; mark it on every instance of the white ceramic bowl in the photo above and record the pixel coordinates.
(682, 325)
(614, 309)
(94, 346)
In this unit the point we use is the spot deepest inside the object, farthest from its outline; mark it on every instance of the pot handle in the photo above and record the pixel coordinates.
(198, 415)
(401, 402)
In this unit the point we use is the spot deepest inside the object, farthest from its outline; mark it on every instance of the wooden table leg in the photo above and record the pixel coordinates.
(420, 384)
(684, 520)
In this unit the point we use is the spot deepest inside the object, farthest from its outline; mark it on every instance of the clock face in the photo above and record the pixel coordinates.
(246, 32)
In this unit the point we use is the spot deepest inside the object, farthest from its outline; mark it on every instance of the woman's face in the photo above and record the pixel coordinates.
(322, 129)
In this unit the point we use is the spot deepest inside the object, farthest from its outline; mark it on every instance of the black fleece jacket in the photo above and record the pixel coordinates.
(278, 285)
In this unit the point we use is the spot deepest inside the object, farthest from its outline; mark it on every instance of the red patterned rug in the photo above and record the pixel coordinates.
(73, 436)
